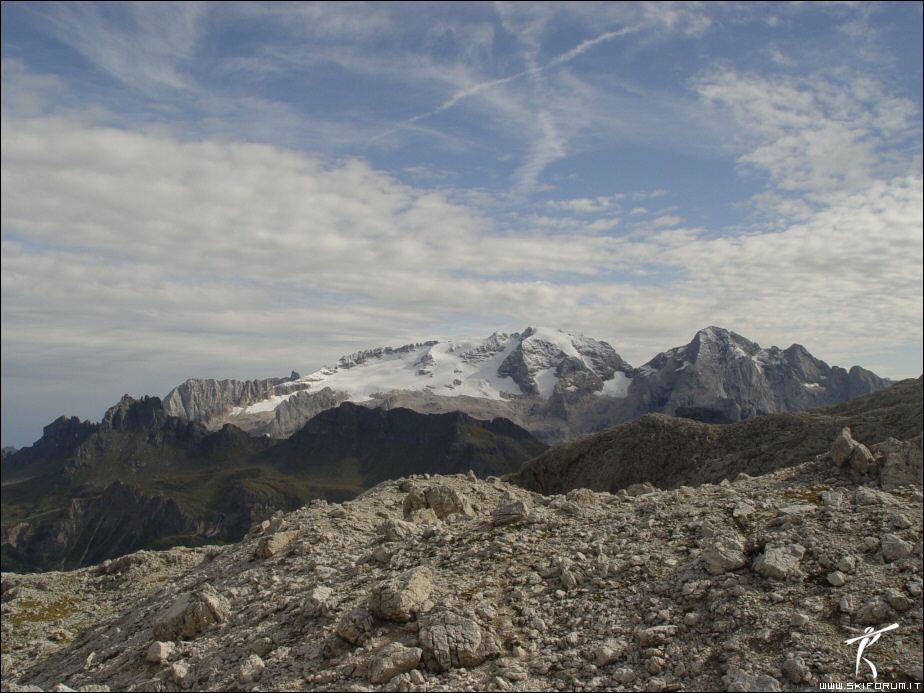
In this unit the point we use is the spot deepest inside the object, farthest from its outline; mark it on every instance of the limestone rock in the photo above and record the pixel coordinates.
(399, 598)
(318, 601)
(181, 674)
(874, 612)
(393, 659)
(739, 680)
(894, 548)
(723, 555)
(842, 447)
(355, 626)
(450, 640)
(510, 513)
(191, 614)
(597, 592)
(159, 652)
(441, 499)
(656, 635)
(273, 544)
(609, 652)
(861, 459)
(779, 562)
(251, 670)
(398, 530)
(902, 465)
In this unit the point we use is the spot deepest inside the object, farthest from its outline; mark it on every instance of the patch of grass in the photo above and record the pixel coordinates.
(808, 496)
(34, 611)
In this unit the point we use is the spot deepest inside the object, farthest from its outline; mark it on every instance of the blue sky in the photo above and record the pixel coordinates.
(239, 190)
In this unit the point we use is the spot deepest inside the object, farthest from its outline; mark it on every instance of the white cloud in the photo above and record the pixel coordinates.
(815, 136)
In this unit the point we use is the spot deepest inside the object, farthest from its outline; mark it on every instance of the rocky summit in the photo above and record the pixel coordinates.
(439, 583)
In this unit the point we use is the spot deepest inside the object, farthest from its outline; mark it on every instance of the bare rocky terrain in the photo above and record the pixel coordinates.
(455, 583)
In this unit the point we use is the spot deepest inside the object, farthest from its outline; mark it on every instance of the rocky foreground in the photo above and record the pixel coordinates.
(455, 583)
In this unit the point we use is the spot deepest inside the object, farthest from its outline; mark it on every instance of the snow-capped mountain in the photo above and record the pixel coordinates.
(553, 383)
(499, 367)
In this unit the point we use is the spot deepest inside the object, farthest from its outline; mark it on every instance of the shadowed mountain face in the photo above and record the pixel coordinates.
(670, 452)
(143, 479)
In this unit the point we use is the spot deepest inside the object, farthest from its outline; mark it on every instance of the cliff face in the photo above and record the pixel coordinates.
(205, 399)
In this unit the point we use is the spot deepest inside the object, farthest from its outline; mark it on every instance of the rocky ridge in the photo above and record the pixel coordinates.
(455, 583)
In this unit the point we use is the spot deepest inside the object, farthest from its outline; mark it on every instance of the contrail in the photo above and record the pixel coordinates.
(561, 59)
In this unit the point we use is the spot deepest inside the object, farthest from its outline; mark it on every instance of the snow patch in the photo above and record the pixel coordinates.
(618, 386)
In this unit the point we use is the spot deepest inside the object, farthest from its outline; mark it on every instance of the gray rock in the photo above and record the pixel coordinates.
(902, 465)
(318, 601)
(609, 652)
(779, 562)
(273, 544)
(795, 669)
(399, 598)
(842, 447)
(656, 635)
(181, 674)
(739, 680)
(191, 614)
(159, 652)
(624, 675)
(509, 513)
(894, 548)
(723, 555)
(861, 459)
(441, 499)
(898, 600)
(251, 670)
(398, 530)
(355, 626)
(848, 564)
(393, 659)
(873, 613)
(642, 489)
(450, 640)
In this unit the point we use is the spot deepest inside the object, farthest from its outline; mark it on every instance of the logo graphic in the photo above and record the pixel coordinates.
(868, 638)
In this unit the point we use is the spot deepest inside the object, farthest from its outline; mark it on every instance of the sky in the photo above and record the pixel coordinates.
(245, 189)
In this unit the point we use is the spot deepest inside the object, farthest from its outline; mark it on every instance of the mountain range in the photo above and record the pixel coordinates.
(214, 457)
(554, 384)
(752, 556)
